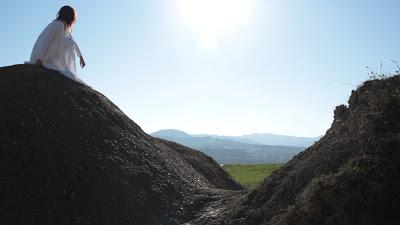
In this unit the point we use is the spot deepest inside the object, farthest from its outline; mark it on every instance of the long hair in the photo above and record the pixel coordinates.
(67, 15)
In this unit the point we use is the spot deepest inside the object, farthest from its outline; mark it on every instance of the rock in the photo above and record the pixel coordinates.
(351, 176)
(92, 168)
(101, 168)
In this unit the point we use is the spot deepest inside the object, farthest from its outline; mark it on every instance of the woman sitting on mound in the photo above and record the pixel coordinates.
(55, 48)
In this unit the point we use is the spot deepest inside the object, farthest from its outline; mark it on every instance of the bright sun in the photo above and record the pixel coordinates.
(211, 20)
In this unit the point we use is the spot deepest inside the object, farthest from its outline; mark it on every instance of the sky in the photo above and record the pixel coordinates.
(227, 67)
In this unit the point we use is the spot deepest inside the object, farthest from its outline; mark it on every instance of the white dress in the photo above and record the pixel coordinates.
(57, 50)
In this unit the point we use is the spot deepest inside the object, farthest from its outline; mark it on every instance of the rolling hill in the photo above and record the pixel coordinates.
(225, 149)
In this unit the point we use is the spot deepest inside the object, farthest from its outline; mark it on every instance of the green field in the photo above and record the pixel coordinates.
(250, 175)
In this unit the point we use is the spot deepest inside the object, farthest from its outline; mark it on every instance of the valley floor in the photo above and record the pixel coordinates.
(250, 175)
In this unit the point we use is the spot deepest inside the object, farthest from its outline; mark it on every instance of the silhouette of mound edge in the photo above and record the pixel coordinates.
(70, 156)
(350, 177)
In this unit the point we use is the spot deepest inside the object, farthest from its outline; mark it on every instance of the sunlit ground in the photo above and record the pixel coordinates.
(252, 174)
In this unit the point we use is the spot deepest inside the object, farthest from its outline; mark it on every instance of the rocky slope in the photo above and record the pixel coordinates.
(350, 177)
(70, 156)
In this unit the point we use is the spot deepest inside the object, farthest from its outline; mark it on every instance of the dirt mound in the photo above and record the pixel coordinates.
(351, 176)
(70, 156)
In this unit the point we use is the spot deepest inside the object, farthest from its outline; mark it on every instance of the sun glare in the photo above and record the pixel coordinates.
(212, 20)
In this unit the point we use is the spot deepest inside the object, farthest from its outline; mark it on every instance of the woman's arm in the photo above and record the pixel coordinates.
(79, 53)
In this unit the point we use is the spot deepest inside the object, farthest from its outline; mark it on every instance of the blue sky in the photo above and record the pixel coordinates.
(260, 66)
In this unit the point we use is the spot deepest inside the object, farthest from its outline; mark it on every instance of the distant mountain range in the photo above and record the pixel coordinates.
(254, 148)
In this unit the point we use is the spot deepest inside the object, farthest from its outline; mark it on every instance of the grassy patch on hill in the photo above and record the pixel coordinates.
(250, 175)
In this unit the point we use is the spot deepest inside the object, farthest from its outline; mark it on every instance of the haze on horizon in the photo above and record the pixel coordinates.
(217, 66)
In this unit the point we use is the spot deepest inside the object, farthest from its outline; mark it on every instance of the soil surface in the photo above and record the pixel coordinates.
(350, 177)
(70, 156)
